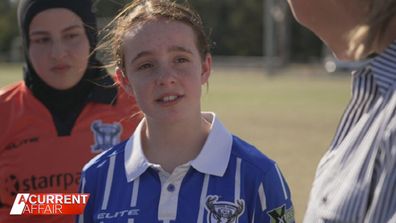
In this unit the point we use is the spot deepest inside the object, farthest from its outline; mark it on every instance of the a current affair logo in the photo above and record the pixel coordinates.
(49, 204)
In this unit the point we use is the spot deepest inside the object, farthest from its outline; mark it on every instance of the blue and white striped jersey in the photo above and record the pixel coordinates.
(229, 181)
(356, 179)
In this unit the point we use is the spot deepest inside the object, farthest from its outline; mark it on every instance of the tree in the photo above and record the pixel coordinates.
(235, 26)
(8, 26)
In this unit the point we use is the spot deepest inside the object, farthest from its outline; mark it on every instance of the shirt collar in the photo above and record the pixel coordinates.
(213, 158)
(384, 69)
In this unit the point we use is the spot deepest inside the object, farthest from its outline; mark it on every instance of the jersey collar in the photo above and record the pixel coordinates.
(213, 158)
(384, 69)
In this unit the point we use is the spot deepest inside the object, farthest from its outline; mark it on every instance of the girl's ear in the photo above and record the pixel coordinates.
(122, 79)
(206, 68)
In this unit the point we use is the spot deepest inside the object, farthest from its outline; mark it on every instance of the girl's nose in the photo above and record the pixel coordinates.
(58, 50)
(166, 76)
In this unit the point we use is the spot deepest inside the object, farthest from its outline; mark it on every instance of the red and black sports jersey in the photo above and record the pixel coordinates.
(34, 159)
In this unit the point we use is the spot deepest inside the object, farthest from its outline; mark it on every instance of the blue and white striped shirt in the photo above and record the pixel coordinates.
(229, 181)
(356, 179)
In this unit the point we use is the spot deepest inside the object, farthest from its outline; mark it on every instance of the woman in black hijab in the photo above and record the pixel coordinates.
(64, 111)
(74, 97)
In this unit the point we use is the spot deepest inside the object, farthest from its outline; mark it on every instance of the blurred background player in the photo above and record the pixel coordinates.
(66, 110)
(356, 179)
(181, 164)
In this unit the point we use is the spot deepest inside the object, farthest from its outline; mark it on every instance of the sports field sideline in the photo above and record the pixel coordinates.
(291, 116)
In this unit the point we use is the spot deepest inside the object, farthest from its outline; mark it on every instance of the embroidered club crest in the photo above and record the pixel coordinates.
(106, 135)
(223, 211)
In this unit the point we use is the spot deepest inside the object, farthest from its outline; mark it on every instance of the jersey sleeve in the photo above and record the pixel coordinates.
(273, 201)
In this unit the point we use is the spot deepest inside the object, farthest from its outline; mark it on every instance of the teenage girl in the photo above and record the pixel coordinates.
(181, 164)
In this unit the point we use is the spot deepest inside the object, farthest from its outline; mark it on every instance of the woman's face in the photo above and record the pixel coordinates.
(58, 47)
(330, 20)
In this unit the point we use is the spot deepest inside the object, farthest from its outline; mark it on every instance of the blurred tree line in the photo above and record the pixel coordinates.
(8, 27)
(235, 27)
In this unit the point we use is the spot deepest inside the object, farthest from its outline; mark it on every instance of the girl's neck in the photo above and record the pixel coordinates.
(174, 144)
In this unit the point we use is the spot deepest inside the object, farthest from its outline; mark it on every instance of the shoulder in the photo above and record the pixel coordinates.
(258, 168)
(251, 156)
(10, 92)
(13, 102)
(101, 161)
(263, 179)
(12, 108)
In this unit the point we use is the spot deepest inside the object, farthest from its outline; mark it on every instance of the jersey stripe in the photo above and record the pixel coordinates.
(282, 183)
(109, 181)
(135, 192)
(204, 192)
(238, 179)
(81, 216)
(254, 214)
(263, 198)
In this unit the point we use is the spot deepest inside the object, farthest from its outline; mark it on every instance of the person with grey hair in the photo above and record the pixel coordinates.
(356, 178)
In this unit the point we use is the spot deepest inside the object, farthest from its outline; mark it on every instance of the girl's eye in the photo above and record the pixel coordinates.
(71, 36)
(41, 40)
(145, 66)
(181, 60)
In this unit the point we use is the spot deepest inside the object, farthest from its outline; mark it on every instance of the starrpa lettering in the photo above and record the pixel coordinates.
(64, 181)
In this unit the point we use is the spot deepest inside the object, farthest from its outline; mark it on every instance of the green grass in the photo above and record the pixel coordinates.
(10, 73)
(291, 116)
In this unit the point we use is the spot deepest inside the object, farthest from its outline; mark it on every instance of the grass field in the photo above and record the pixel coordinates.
(290, 116)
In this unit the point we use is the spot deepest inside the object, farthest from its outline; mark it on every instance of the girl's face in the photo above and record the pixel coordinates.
(58, 47)
(164, 69)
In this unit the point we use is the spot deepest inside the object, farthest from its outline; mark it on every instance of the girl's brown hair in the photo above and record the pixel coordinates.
(140, 11)
(367, 36)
